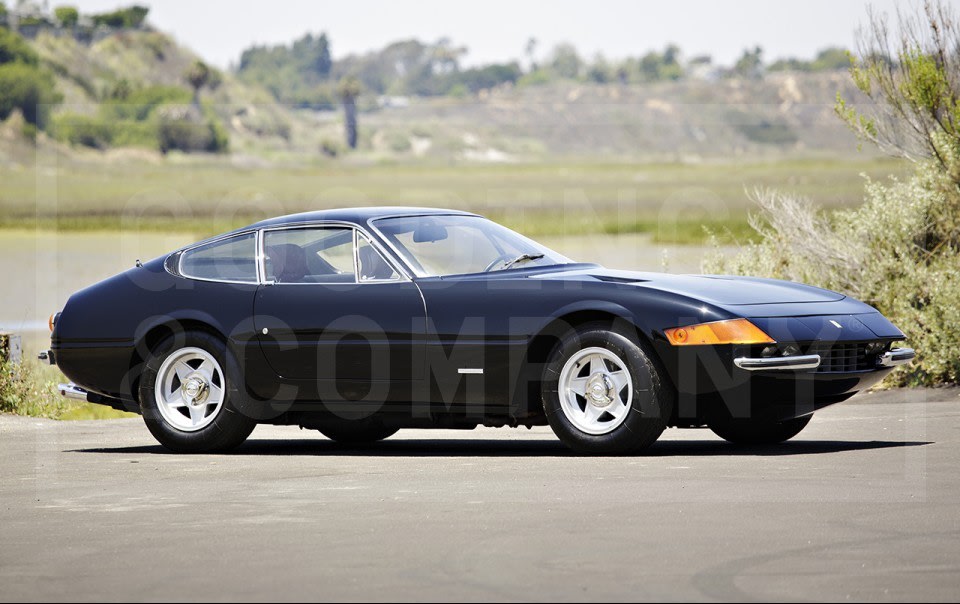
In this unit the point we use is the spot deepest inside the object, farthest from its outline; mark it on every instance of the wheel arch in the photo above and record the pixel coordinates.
(156, 332)
(619, 319)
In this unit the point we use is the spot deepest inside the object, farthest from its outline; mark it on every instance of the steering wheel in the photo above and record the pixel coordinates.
(498, 260)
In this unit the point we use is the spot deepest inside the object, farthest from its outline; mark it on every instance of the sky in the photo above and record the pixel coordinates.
(498, 30)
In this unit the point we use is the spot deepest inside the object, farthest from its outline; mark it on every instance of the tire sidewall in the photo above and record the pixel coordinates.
(229, 424)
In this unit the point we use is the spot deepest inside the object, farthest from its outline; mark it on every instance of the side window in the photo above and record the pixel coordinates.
(309, 255)
(233, 259)
(373, 267)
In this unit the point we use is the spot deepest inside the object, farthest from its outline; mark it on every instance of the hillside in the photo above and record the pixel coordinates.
(785, 113)
(87, 75)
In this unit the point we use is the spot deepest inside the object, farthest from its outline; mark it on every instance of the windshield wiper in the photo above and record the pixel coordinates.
(521, 258)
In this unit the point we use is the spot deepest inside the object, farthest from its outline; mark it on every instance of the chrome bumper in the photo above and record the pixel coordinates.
(73, 391)
(795, 363)
(891, 358)
(895, 357)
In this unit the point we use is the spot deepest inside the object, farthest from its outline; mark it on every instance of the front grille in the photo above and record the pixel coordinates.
(836, 357)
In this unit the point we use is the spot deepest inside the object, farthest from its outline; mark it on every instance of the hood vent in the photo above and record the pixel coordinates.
(615, 279)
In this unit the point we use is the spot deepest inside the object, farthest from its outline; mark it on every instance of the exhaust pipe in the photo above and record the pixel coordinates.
(73, 391)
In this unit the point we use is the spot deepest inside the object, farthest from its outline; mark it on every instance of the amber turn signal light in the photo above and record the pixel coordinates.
(52, 321)
(732, 331)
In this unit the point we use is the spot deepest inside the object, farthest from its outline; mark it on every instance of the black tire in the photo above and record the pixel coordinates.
(652, 403)
(228, 429)
(757, 431)
(357, 432)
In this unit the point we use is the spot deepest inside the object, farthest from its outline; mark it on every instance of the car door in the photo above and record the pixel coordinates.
(323, 314)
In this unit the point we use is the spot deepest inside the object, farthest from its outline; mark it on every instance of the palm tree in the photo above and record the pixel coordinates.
(198, 76)
(348, 90)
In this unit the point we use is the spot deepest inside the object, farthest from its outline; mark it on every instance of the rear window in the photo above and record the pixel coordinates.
(231, 259)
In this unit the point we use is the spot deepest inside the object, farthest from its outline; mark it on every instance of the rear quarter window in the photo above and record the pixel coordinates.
(231, 259)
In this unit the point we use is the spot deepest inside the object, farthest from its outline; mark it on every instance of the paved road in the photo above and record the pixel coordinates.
(864, 505)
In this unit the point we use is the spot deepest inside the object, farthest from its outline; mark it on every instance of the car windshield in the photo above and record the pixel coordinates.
(439, 245)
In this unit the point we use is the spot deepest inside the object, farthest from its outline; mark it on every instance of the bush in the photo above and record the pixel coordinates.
(183, 133)
(28, 89)
(68, 16)
(139, 104)
(14, 49)
(25, 392)
(130, 17)
(83, 130)
(330, 148)
(899, 252)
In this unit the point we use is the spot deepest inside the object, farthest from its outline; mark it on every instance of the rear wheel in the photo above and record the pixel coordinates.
(603, 393)
(357, 432)
(759, 432)
(188, 393)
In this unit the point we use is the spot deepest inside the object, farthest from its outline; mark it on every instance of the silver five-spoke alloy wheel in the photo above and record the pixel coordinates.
(190, 389)
(596, 390)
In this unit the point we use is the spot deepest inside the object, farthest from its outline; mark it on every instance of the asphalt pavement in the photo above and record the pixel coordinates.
(863, 505)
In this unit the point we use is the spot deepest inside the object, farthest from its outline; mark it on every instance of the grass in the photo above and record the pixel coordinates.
(30, 389)
(675, 201)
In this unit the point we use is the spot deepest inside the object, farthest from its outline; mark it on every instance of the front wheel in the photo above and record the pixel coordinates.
(187, 395)
(753, 431)
(603, 393)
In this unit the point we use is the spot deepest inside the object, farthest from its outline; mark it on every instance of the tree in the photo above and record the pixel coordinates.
(198, 75)
(67, 16)
(750, 63)
(322, 61)
(599, 71)
(831, 59)
(348, 90)
(912, 80)
(530, 49)
(565, 61)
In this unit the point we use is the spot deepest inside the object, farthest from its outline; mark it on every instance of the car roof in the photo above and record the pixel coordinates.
(354, 215)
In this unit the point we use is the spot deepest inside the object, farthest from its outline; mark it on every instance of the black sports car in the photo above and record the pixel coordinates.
(361, 322)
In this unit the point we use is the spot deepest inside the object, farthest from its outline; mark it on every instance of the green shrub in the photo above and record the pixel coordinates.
(14, 49)
(24, 391)
(29, 131)
(140, 103)
(535, 78)
(186, 134)
(766, 132)
(29, 89)
(129, 17)
(84, 130)
(330, 148)
(899, 252)
(68, 16)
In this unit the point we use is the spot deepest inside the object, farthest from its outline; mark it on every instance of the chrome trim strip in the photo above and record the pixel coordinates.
(72, 391)
(794, 363)
(896, 357)
(470, 371)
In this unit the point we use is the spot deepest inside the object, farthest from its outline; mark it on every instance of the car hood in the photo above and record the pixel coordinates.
(721, 290)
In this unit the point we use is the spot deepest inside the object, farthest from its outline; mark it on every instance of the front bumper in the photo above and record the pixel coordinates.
(891, 358)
